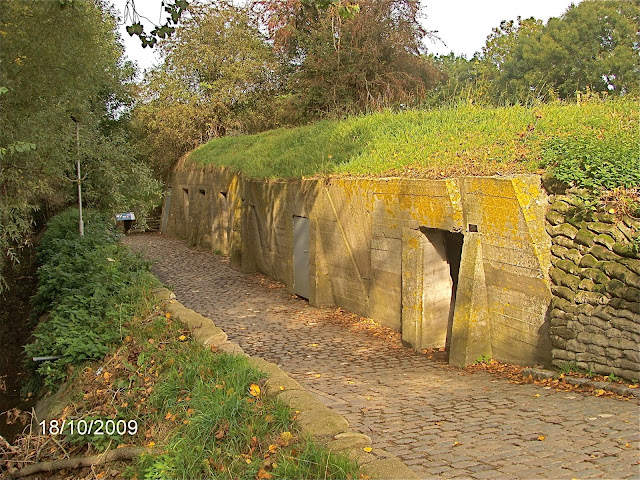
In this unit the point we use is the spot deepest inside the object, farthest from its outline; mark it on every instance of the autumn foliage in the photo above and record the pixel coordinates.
(230, 70)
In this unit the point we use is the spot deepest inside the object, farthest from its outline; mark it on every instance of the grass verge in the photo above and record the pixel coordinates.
(144, 382)
(87, 289)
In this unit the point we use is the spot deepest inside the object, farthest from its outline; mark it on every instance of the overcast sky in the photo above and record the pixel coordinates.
(462, 24)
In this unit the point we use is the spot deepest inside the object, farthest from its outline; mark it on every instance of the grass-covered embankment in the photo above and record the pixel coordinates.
(136, 371)
(592, 143)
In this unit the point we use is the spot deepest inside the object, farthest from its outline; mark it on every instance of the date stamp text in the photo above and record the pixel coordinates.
(89, 427)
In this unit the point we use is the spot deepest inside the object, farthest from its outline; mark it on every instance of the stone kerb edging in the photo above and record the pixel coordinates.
(314, 417)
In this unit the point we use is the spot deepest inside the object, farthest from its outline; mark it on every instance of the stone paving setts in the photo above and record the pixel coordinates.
(442, 422)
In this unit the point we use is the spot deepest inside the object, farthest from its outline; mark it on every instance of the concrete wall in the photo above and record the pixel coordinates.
(595, 316)
(376, 250)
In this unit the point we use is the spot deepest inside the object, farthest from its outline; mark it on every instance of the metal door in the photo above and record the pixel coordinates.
(301, 256)
(165, 211)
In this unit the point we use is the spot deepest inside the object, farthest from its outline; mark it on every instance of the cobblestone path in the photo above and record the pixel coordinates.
(442, 422)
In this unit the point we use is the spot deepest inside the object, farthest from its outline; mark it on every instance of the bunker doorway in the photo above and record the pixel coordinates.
(429, 297)
(301, 265)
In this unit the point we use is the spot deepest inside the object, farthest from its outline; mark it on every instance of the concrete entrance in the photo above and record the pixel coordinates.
(430, 265)
(301, 256)
(221, 224)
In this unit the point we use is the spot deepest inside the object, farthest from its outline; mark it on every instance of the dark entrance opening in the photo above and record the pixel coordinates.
(445, 248)
(453, 243)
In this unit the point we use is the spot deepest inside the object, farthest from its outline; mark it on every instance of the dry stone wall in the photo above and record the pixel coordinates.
(595, 274)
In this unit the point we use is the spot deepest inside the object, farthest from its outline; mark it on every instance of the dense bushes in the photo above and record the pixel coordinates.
(87, 288)
(590, 161)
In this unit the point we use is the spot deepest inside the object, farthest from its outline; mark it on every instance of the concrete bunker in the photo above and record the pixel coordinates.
(391, 249)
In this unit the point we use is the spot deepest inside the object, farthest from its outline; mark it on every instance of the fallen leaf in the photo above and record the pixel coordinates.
(222, 431)
(285, 438)
(254, 390)
(263, 475)
(182, 338)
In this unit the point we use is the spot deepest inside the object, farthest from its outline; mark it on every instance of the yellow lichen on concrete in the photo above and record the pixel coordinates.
(453, 189)
(533, 202)
(412, 243)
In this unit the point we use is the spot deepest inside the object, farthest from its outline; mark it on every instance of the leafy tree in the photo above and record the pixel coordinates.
(176, 8)
(62, 60)
(351, 63)
(592, 46)
(457, 79)
(216, 67)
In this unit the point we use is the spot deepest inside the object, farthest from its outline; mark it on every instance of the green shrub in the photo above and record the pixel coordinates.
(88, 287)
(591, 162)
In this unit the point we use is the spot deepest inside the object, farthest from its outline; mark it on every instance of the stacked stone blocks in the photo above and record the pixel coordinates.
(595, 274)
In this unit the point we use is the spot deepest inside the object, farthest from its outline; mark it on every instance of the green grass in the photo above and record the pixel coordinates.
(467, 140)
(207, 421)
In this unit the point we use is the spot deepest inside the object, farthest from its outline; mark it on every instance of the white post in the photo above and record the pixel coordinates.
(80, 221)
